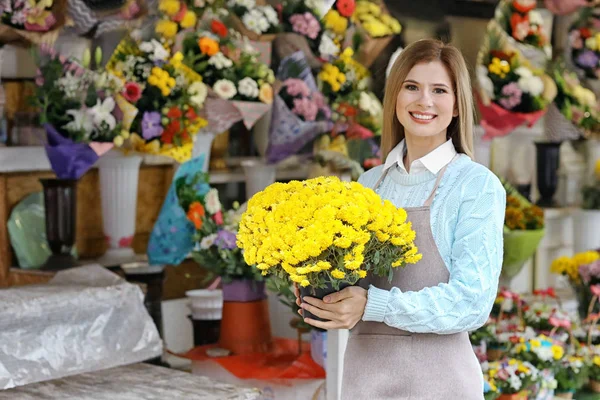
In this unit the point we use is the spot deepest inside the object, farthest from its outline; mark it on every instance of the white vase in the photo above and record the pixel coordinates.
(586, 225)
(118, 187)
(202, 145)
(258, 175)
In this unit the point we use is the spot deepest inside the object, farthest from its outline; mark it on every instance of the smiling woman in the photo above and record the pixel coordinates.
(408, 337)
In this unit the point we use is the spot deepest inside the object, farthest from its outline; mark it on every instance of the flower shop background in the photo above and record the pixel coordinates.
(184, 124)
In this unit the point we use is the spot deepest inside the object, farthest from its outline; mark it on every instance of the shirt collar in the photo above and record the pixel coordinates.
(433, 162)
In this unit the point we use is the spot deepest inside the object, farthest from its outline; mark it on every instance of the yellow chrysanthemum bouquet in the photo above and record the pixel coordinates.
(325, 233)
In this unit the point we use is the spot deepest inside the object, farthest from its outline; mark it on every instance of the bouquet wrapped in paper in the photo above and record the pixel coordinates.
(168, 96)
(376, 29)
(584, 43)
(254, 19)
(574, 112)
(525, 28)
(511, 92)
(523, 231)
(31, 21)
(323, 233)
(300, 112)
(83, 111)
(241, 86)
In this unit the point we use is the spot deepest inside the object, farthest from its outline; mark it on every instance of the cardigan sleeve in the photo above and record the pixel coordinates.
(464, 303)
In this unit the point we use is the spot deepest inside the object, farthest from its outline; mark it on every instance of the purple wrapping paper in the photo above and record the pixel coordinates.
(69, 160)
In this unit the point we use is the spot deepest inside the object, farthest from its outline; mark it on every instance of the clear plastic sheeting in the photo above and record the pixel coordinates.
(85, 319)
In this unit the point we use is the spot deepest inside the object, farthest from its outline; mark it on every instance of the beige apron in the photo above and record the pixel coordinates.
(382, 362)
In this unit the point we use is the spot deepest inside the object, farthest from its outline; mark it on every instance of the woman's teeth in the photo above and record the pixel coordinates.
(422, 116)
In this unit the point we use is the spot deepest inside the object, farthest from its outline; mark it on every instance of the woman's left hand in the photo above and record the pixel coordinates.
(342, 309)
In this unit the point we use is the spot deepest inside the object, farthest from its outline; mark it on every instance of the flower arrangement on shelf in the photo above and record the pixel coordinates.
(584, 40)
(375, 20)
(175, 17)
(591, 193)
(522, 22)
(30, 20)
(512, 376)
(306, 104)
(83, 112)
(511, 90)
(523, 231)
(215, 229)
(571, 267)
(233, 73)
(571, 374)
(575, 102)
(343, 76)
(490, 390)
(323, 231)
(544, 317)
(254, 20)
(167, 95)
(507, 303)
(338, 18)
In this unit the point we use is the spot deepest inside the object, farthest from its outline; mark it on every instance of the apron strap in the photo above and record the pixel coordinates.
(380, 180)
(437, 182)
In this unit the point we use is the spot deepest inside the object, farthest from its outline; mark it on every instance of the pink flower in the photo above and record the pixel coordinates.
(319, 100)
(305, 108)
(575, 39)
(218, 218)
(296, 87)
(132, 92)
(305, 24)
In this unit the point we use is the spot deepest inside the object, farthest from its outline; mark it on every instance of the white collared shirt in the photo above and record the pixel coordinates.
(433, 162)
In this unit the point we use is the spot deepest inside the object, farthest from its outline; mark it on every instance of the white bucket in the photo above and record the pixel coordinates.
(206, 304)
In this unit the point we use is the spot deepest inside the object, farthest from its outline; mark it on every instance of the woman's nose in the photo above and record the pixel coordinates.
(425, 99)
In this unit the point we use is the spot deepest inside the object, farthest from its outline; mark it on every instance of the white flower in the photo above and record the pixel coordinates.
(82, 122)
(327, 47)
(515, 382)
(248, 87)
(256, 22)
(535, 18)
(225, 89)
(208, 241)
(532, 85)
(370, 104)
(102, 113)
(198, 93)
(220, 61)
(212, 203)
(69, 84)
(271, 14)
(524, 72)
(313, 4)
(485, 82)
(249, 4)
(155, 49)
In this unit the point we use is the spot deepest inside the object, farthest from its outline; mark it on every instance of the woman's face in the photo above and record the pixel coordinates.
(426, 103)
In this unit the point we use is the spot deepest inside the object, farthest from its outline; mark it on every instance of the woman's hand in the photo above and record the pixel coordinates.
(343, 309)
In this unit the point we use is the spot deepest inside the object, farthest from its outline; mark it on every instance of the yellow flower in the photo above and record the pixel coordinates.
(596, 360)
(557, 352)
(335, 22)
(169, 7)
(304, 283)
(118, 141)
(265, 93)
(499, 67)
(176, 60)
(337, 274)
(189, 20)
(166, 29)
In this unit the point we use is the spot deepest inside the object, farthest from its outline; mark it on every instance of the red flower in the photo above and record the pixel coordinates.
(218, 28)
(371, 163)
(585, 33)
(524, 6)
(346, 7)
(182, 10)
(174, 112)
(347, 110)
(191, 114)
(170, 132)
(218, 218)
(126, 241)
(132, 92)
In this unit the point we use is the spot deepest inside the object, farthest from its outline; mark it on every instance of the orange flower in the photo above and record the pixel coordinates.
(195, 214)
(208, 46)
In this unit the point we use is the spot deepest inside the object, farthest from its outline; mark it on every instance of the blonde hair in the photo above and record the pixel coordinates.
(460, 129)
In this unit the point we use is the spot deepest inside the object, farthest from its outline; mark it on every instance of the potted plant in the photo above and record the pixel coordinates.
(570, 376)
(512, 378)
(324, 234)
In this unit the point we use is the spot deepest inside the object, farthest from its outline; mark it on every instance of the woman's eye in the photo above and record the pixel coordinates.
(411, 87)
(439, 91)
